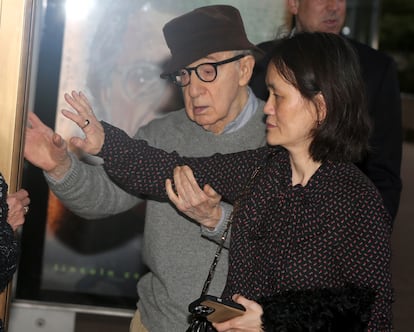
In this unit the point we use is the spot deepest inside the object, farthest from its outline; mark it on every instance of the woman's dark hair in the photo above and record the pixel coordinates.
(325, 63)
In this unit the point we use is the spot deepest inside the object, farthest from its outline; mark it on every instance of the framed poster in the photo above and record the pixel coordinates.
(114, 52)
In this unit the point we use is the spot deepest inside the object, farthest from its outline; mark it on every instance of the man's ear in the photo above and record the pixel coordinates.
(246, 69)
(292, 6)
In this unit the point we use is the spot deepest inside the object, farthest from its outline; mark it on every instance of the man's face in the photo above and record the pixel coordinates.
(213, 105)
(318, 15)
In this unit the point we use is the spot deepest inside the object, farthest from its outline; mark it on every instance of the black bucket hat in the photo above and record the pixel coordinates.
(203, 31)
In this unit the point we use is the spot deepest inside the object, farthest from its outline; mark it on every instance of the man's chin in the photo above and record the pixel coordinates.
(331, 29)
(212, 128)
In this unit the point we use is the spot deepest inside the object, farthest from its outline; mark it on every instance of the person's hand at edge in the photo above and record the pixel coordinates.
(87, 121)
(201, 205)
(18, 203)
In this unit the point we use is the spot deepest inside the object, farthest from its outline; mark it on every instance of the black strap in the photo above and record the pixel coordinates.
(224, 235)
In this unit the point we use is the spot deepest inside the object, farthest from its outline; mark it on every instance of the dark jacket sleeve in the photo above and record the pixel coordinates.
(383, 163)
(8, 243)
(8, 254)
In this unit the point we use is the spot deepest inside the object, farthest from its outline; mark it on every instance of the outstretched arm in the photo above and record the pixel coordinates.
(117, 164)
(70, 179)
(141, 169)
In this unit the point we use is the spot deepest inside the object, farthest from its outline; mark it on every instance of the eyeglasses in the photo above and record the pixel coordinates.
(206, 72)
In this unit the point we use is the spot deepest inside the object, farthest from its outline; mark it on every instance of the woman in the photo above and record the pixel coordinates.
(311, 221)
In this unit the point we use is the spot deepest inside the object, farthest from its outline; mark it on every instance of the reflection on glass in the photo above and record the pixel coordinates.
(115, 55)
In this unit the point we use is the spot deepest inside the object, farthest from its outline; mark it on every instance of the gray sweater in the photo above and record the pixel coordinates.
(177, 255)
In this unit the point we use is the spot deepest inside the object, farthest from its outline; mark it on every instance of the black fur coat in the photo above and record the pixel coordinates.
(327, 309)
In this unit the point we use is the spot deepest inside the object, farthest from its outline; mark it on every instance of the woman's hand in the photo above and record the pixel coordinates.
(87, 121)
(201, 205)
(250, 321)
(18, 203)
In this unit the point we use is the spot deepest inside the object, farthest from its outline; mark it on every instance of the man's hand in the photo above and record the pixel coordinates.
(201, 205)
(45, 149)
(87, 121)
(18, 203)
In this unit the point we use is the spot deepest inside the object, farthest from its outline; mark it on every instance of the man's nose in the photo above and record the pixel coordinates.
(332, 4)
(196, 86)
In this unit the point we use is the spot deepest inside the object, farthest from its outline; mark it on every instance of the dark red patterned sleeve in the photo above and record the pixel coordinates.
(9, 249)
(141, 169)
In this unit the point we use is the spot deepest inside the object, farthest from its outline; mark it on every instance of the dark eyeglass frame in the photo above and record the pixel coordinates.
(173, 76)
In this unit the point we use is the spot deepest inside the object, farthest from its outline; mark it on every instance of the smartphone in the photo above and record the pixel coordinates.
(215, 309)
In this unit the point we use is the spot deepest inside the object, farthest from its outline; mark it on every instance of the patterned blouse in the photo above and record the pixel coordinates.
(8, 243)
(331, 232)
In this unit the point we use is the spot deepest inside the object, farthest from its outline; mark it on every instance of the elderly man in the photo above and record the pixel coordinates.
(382, 165)
(212, 61)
